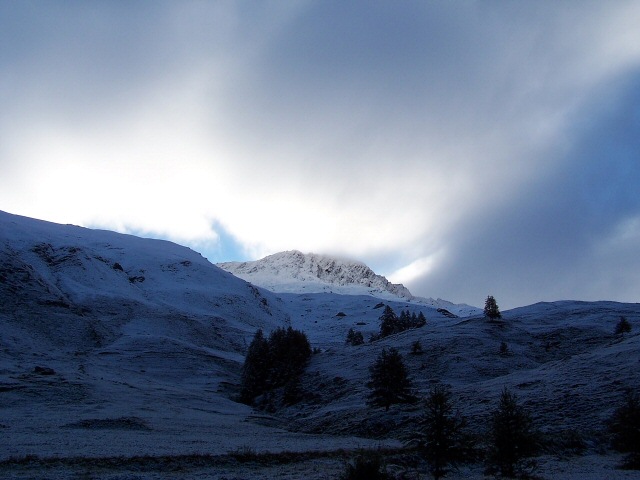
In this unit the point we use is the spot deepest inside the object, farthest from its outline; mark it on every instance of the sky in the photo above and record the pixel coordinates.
(463, 148)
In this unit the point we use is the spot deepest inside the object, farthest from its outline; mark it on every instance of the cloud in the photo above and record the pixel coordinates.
(405, 135)
(568, 234)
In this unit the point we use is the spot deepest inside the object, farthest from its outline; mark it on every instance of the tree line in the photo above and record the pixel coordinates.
(390, 324)
(277, 362)
(274, 362)
(513, 439)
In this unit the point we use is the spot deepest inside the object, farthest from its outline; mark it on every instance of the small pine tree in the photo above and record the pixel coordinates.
(389, 322)
(491, 309)
(416, 348)
(404, 321)
(444, 441)
(354, 338)
(624, 426)
(504, 349)
(390, 381)
(513, 438)
(622, 327)
(255, 370)
(422, 320)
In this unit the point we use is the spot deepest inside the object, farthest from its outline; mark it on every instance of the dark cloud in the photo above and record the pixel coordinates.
(491, 144)
(569, 234)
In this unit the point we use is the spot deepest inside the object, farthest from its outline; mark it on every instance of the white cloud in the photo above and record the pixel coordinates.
(295, 129)
(415, 269)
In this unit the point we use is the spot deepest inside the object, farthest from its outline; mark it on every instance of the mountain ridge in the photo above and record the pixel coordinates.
(292, 271)
(122, 347)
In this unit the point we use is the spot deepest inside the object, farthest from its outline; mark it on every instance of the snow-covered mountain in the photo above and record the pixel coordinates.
(296, 272)
(121, 357)
(112, 344)
(96, 273)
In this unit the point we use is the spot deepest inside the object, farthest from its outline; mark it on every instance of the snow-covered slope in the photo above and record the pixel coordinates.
(296, 272)
(128, 348)
(93, 273)
(563, 361)
(112, 344)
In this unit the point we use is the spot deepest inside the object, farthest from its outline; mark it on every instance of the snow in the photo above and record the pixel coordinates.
(150, 367)
(296, 272)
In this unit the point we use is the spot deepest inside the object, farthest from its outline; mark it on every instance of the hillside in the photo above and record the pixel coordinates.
(126, 353)
(112, 344)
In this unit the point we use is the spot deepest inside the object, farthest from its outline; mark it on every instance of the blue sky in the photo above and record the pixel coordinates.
(462, 148)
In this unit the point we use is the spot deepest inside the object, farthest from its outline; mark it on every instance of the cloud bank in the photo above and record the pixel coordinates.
(465, 149)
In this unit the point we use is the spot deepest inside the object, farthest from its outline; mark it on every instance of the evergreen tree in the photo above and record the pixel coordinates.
(273, 363)
(389, 322)
(624, 425)
(354, 338)
(622, 327)
(390, 381)
(491, 309)
(404, 322)
(289, 351)
(367, 467)
(416, 348)
(513, 438)
(444, 441)
(255, 370)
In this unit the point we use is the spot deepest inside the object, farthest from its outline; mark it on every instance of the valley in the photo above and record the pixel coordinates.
(120, 357)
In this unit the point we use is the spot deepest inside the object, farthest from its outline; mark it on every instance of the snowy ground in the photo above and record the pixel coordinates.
(120, 358)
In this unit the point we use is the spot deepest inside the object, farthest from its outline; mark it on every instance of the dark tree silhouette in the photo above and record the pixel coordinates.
(491, 309)
(622, 327)
(416, 348)
(354, 337)
(389, 322)
(289, 351)
(390, 381)
(274, 363)
(444, 441)
(513, 438)
(255, 369)
(624, 426)
(366, 467)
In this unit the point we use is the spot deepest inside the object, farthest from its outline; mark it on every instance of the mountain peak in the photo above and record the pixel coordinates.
(294, 271)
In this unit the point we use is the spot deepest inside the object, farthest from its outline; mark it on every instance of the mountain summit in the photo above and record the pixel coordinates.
(296, 272)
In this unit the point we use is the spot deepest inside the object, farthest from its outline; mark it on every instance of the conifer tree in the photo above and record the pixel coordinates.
(444, 441)
(513, 438)
(273, 363)
(354, 338)
(289, 351)
(491, 309)
(366, 467)
(388, 322)
(622, 327)
(404, 321)
(416, 348)
(255, 369)
(390, 383)
(624, 425)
